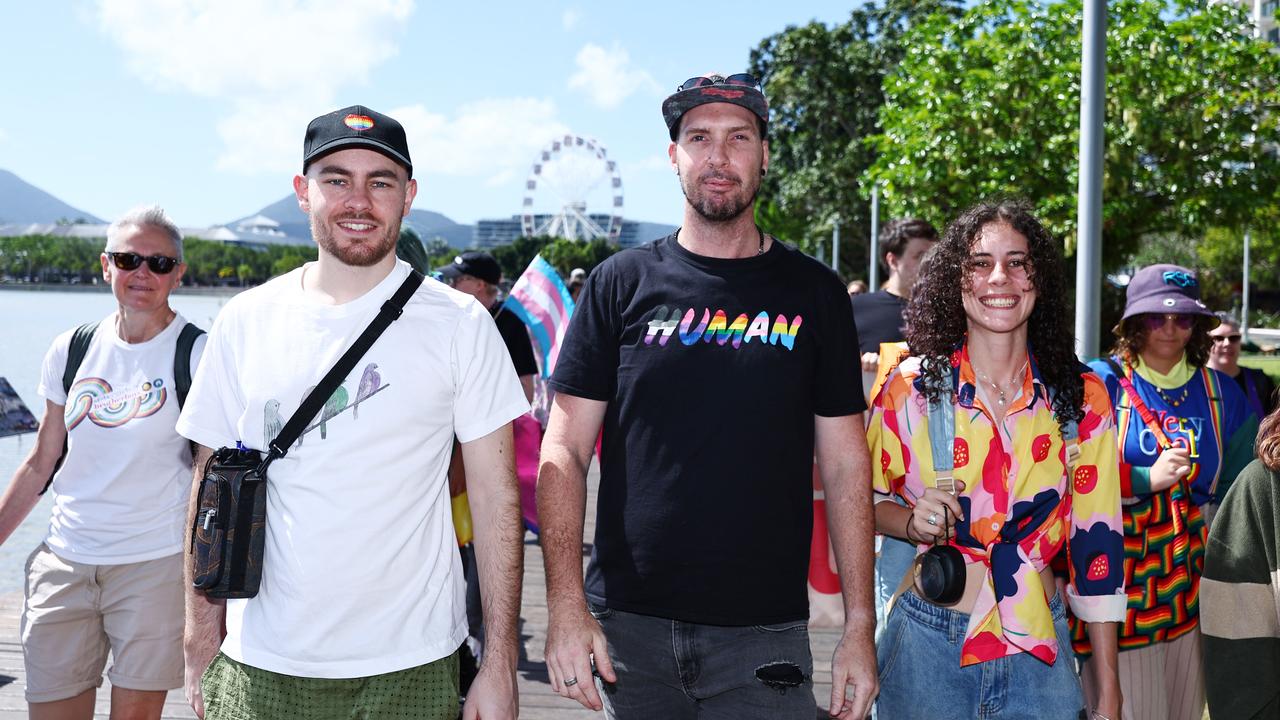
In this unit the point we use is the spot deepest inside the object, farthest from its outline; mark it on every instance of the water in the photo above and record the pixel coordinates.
(31, 320)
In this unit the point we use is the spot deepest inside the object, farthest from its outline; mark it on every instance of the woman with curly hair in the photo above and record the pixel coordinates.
(1024, 472)
(1184, 432)
(1239, 596)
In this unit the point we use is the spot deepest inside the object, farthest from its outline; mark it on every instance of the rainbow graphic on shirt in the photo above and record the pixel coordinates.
(691, 327)
(358, 122)
(95, 399)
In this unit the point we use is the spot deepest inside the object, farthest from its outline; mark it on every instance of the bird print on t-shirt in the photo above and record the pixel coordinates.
(370, 381)
(272, 423)
(337, 403)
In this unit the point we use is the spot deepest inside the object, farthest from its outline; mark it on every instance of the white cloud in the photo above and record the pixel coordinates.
(265, 58)
(607, 78)
(658, 162)
(569, 19)
(496, 139)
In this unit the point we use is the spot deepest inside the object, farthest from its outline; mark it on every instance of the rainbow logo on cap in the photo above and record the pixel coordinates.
(358, 122)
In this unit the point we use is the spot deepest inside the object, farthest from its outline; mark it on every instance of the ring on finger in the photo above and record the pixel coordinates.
(933, 519)
(570, 682)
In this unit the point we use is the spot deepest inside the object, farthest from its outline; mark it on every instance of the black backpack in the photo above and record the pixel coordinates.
(80, 341)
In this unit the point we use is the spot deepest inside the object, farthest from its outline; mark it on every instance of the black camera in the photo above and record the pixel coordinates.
(940, 572)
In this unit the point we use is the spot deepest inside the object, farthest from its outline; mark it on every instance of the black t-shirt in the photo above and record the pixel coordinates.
(516, 337)
(879, 319)
(713, 371)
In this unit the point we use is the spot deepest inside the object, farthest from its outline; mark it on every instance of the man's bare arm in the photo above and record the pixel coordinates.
(844, 465)
(204, 627)
(573, 636)
(495, 511)
(29, 479)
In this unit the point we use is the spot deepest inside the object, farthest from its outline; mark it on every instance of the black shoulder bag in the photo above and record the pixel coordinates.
(228, 537)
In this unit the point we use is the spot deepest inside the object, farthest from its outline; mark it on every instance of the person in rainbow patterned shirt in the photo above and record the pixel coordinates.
(1184, 431)
(991, 292)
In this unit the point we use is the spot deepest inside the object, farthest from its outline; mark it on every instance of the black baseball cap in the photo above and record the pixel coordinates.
(476, 264)
(741, 89)
(355, 126)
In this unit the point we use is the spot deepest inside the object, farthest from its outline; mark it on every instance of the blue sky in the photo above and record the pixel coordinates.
(200, 105)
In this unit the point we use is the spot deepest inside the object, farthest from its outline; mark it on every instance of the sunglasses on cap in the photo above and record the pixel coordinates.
(741, 79)
(1155, 321)
(1234, 338)
(158, 264)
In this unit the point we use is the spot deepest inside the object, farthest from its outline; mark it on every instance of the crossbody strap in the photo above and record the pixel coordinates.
(1135, 402)
(314, 401)
(1179, 493)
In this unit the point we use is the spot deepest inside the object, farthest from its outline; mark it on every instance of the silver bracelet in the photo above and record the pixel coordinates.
(1099, 716)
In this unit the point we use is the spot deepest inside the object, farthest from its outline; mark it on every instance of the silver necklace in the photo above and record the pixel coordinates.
(1000, 388)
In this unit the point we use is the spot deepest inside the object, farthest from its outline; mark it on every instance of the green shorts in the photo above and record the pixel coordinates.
(235, 691)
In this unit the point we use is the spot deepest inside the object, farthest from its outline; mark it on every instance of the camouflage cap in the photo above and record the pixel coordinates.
(742, 90)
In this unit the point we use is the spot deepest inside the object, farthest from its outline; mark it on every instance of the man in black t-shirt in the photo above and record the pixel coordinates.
(903, 244)
(879, 317)
(719, 362)
(478, 275)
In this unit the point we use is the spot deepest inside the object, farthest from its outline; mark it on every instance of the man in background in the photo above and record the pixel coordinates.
(878, 315)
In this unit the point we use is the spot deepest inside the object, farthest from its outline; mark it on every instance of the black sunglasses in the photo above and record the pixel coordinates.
(742, 79)
(158, 264)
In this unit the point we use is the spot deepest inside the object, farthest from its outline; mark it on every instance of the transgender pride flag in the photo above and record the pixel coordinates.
(542, 301)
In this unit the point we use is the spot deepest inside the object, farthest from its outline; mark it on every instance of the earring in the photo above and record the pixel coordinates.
(764, 171)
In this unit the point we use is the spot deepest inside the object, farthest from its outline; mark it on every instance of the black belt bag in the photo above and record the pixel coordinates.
(227, 540)
(228, 535)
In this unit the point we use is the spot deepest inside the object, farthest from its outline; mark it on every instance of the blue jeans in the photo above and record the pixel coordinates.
(921, 677)
(895, 557)
(673, 670)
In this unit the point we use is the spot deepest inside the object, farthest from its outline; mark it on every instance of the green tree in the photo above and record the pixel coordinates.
(824, 89)
(286, 263)
(515, 256)
(989, 106)
(565, 255)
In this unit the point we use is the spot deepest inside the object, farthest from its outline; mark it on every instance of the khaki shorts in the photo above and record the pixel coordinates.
(75, 614)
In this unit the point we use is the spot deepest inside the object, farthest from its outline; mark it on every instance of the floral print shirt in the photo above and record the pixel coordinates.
(1020, 508)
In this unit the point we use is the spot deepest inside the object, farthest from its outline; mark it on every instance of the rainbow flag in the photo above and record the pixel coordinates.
(541, 300)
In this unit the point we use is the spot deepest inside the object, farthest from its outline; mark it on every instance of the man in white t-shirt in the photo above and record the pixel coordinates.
(107, 577)
(361, 607)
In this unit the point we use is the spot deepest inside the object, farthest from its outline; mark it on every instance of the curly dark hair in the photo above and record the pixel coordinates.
(1131, 338)
(935, 318)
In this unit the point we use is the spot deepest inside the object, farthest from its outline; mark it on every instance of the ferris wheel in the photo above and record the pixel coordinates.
(572, 174)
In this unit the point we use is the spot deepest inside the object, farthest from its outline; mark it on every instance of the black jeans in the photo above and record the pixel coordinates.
(673, 670)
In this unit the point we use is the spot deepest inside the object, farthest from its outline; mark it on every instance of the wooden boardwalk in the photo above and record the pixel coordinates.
(537, 701)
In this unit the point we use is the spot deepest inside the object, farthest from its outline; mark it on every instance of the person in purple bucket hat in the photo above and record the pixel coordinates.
(1184, 432)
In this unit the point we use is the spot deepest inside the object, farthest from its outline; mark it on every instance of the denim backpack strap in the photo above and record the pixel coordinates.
(942, 440)
(942, 431)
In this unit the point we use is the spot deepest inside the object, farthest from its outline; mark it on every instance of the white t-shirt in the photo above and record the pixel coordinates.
(121, 495)
(361, 571)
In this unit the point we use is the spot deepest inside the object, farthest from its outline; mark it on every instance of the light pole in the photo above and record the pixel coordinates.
(873, 272)
(1093, 71)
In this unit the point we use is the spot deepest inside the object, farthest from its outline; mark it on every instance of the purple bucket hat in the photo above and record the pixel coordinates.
(1165, 289)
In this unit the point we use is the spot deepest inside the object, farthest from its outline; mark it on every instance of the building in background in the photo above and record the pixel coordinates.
(492, 233)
